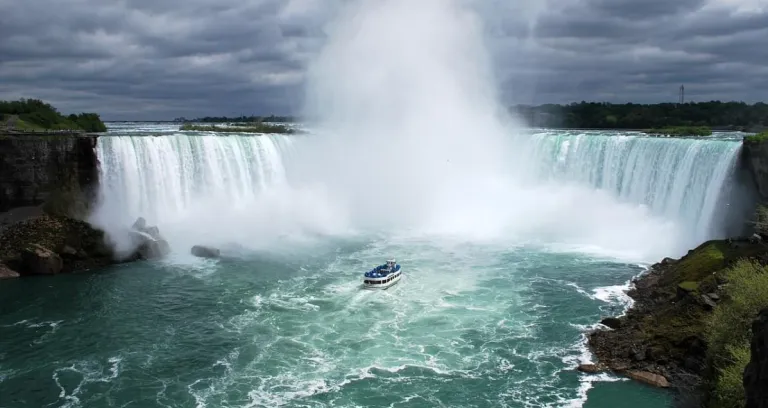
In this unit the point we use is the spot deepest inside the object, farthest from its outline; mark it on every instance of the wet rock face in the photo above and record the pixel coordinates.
(148, 242)
(59, 170)
(756, 372)
(755, 158)
(7, 273)
(37, 260)
(49, 245)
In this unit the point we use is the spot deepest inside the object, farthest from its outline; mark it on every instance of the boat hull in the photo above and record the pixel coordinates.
(383, 282)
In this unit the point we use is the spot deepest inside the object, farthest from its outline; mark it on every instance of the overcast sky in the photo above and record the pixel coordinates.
(159, 59)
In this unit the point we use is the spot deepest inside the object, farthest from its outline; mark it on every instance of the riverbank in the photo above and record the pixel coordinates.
(240, 128)
(688, 328)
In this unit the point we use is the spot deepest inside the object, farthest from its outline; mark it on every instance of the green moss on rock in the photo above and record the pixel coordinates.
(700, 263)
(689, 286)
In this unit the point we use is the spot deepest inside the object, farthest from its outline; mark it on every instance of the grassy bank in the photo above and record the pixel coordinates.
(240, 128)
(758, 138)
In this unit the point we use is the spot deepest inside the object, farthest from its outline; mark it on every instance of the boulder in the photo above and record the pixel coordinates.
(148, 247)
(154, 249)
(140, 224)
(7, 273)
(37, 260)
(649, 378)
(154, 232)
(708, 303)
(588, 368)
(68, 251)
(148, 241)
(205, 251)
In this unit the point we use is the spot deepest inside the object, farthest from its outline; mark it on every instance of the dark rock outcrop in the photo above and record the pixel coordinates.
(7, 273)
(50, 244)
(58, 171)
(53, 244)
(147, 240)
(755, 158)
(205, 251)
(756, 372)
(37, 260)
(648, 378)
(589, 368)
(612, 322)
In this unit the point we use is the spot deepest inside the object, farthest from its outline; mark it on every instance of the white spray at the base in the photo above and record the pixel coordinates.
(415, 139)
(411, 139)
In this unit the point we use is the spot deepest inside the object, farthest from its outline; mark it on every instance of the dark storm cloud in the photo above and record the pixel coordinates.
(158, 59)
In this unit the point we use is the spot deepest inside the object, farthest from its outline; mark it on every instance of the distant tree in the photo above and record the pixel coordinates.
(713, 114)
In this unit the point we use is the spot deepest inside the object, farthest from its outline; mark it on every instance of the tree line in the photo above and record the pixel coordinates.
(34, 114)
(602, 115)
(240, 119)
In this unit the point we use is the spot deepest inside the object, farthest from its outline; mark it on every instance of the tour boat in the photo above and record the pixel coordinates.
(382, 276)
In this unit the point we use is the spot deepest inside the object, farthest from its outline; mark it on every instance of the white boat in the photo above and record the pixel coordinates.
(383, 276)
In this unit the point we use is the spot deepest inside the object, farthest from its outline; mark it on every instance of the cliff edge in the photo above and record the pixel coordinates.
(57, 171)
(754, 155)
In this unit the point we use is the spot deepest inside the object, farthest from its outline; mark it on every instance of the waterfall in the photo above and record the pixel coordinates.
(666, 194)
(162, 177)
(685, 180)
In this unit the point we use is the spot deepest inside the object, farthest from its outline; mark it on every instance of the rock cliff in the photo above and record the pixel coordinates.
(756, 373)
(755, 159)
(59, 171)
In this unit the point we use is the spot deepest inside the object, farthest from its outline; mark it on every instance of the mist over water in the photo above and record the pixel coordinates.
(409, 138)
(415, 139)
(404, 96)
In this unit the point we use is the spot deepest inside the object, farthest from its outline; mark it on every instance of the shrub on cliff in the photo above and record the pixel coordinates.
(729, 331)
(758, 138)
(34, 114)
(90, 122)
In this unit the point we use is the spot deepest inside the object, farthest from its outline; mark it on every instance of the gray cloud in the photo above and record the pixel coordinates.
(158, 59)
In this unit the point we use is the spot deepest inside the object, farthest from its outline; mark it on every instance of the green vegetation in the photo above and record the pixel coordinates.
(599, 115)
(699, 265)
(36, 115)
(239, 119)
(758, 138)
(689, 286)
(682, 131)
(729, 331)
(256, 127)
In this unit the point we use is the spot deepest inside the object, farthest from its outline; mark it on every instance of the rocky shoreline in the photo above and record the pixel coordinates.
(661, 340)
(48, 244)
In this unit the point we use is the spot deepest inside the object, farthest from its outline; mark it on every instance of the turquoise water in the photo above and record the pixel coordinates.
(282, 321)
